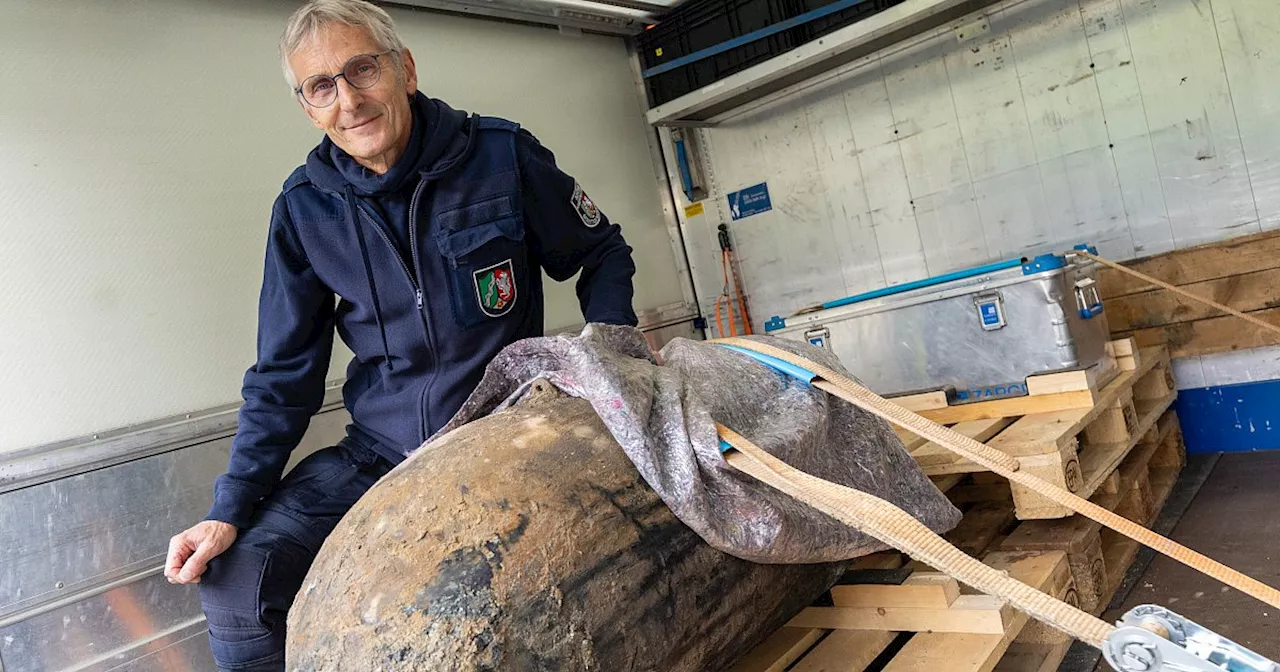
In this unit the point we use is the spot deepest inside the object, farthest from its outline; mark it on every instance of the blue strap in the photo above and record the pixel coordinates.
(804, 375)
(725, 446)
(686, 178)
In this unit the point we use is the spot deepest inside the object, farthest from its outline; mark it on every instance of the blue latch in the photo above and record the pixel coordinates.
(1088, 302)
(1087, 313)
(775, 323)
(1044, 262)
(818, 336)
(1085, 247)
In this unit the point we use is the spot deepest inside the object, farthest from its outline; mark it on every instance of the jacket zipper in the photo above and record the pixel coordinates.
(426, 324)
(417, 291)
(383, 234)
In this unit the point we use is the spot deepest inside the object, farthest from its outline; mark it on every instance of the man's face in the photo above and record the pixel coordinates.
(373, 124)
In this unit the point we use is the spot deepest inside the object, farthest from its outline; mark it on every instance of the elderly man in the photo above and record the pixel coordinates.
(430, 228)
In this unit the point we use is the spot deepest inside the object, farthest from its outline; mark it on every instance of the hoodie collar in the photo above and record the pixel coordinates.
(441, 138)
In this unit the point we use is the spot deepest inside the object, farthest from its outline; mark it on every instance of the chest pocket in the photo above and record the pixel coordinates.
(485, 259)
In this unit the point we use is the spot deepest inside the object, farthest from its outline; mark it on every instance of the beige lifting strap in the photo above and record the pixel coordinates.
(1177, 290)
(807, 488)
(891, 525)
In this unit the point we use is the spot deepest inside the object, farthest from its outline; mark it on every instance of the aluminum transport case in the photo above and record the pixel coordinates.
(977, 333)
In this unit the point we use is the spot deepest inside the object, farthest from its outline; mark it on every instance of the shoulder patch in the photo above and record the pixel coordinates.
(586, 207)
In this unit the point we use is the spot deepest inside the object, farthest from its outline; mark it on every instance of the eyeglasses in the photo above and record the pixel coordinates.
(360, 72)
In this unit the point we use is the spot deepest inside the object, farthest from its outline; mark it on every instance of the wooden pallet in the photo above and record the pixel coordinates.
(927, 623)
(1078, 448)
(1040, 394)
(1095, 561)
(1100, 557)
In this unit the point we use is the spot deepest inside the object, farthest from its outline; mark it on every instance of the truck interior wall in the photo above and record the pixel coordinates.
(143, 144)
(1135, 125)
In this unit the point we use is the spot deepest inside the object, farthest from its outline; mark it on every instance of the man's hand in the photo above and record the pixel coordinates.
(190, 551)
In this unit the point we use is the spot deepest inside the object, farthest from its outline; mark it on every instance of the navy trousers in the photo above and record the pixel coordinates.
(246, 592)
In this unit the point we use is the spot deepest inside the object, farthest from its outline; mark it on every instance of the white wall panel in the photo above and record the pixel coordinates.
(142, 144)
(882, 175)
(933, 154)
(998, 144)
(1190, 119)
(1247, 31)
(1137, 125)
(847, 213)
(1124, 112)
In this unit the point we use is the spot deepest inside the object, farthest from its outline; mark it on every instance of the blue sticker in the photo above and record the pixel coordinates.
(989, 314)
(750, 201)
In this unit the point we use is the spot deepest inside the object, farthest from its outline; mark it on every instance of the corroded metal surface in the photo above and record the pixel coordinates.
(527, 541)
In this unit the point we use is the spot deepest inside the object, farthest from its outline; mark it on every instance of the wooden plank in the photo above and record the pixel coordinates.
(1054, 383)
(882, 560)
(1050, 432)
(1122, 347)
(1042, 433)
(980, 527)
(1135, 466)
(1162, 481)
(1014, 406)
(845, 650)
(1035, 656)
(1156, 384)
(1094, 378)
(978, 430)
(1236, 256)
(1061, 469)
(1216, 334)
(780, 650)
(1085, 473)
(1246, 293)
(909, 440)
(1172, 452)
(956, 465)
(929, 652)
(1080, 539)
(1120, 552)
(945, 483)
(922, 590)
(1110, 485)
(976, 614)
(1049, 392)
(1126, 352)
(923, 401)
(1099, 461)
(1112, 425)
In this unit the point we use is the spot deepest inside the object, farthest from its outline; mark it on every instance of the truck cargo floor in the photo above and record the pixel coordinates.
(1234, 517)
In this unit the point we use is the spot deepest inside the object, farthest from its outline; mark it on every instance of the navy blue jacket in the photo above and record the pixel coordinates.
(426, 272)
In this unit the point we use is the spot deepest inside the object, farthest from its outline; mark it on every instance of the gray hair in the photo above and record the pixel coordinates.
(317, 14)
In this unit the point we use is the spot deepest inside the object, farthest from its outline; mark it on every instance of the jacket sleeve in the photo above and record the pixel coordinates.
(285, 386)
(570, 235)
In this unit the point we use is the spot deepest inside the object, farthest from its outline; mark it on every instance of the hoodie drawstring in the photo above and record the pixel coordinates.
(354, 215)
